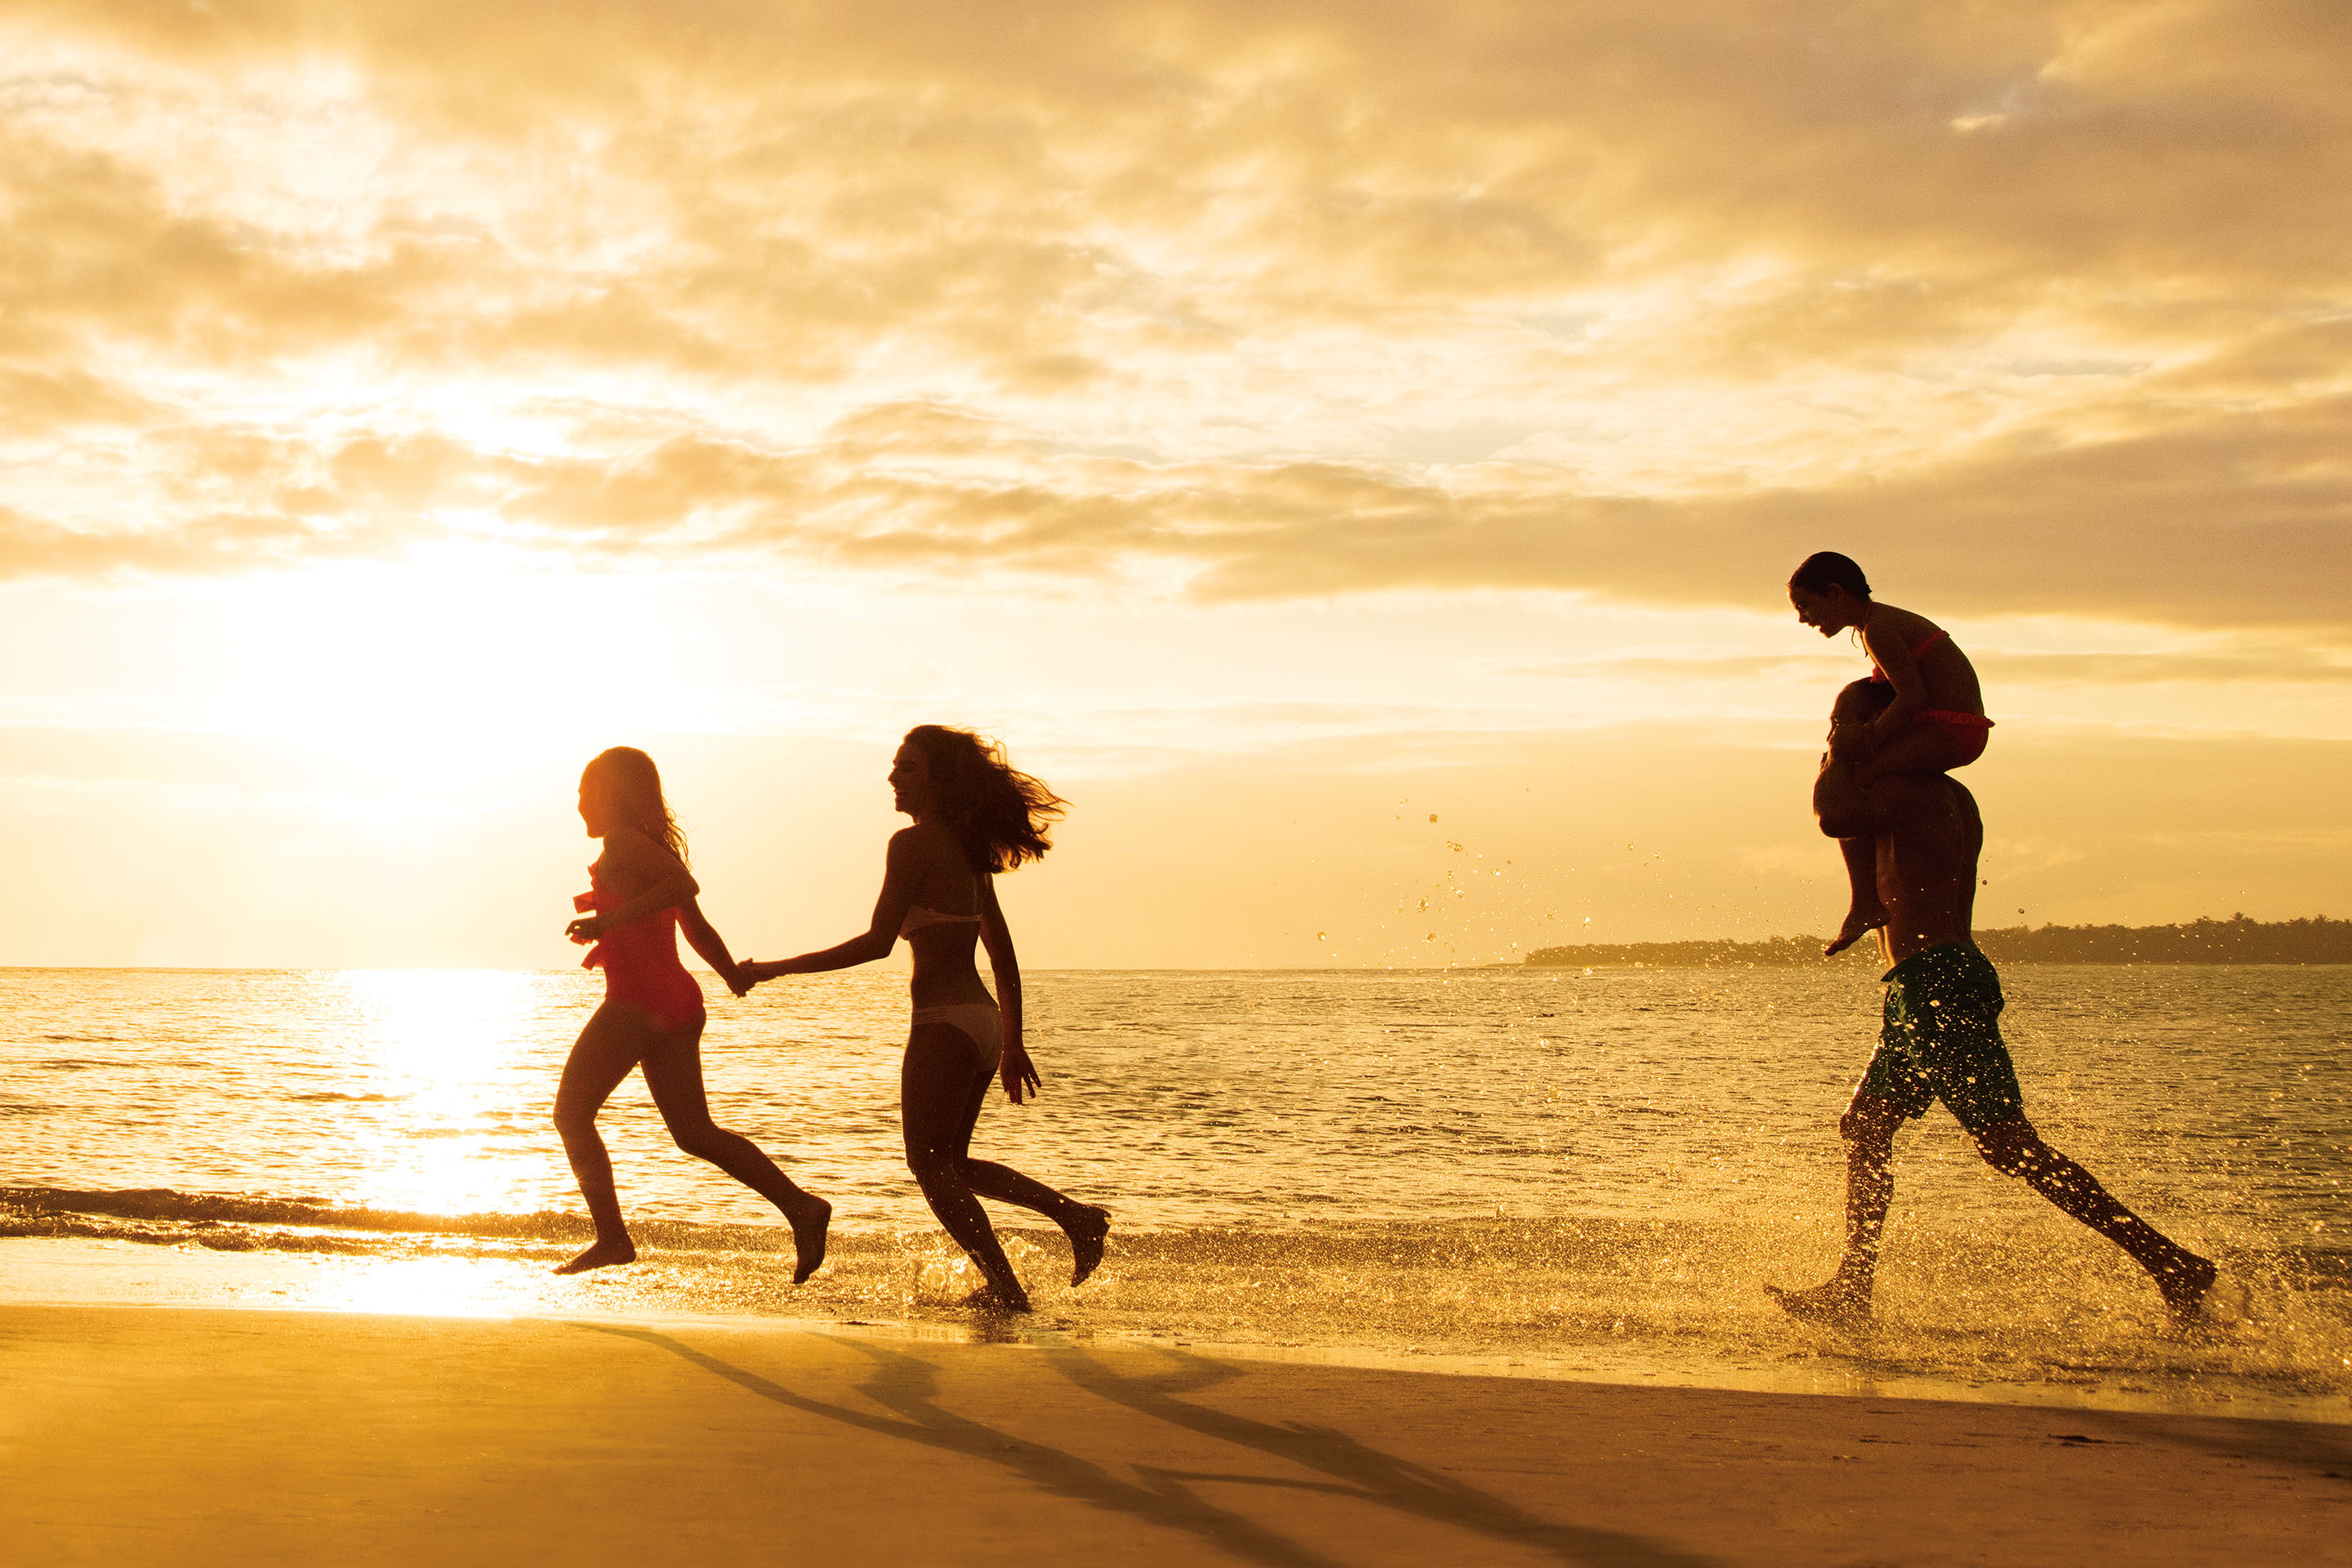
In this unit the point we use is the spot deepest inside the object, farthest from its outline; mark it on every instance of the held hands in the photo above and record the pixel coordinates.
(1019, 1073)
(748, 972)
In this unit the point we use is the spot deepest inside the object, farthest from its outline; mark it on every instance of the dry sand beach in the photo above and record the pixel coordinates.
(162, 1435)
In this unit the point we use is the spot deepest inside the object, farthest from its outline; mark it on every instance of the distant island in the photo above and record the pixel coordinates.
(2234, 940)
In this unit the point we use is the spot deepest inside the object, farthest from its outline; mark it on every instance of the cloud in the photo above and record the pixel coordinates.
(44, 403)
(2037, 309)
(2219, 520)
(204, 545)
(2295, 666)
(2274, 662)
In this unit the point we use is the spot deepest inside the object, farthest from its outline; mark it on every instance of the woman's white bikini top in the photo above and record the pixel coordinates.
(918, 916)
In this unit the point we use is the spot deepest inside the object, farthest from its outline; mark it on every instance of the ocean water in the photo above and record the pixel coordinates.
(1550, 1172)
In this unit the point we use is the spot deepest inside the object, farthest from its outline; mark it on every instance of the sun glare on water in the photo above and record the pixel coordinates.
(425, 1286)
(443, 1048)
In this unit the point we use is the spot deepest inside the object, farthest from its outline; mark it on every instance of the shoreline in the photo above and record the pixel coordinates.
(83, 1274)
(288, 1436)
(1491, 966)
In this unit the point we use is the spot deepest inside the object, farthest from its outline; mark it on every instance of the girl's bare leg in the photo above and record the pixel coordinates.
(941, 1086)
(1920, 748)
(1864, 913)
(1085, 1225)
(674, 1073)
(1916, 749)
(613, 1041)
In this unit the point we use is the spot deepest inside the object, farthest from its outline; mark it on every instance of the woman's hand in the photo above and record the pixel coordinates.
(1020, 1074)
(587, 929)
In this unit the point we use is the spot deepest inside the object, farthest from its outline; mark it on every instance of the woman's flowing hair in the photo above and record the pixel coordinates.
(1001, 815)
(637, 797)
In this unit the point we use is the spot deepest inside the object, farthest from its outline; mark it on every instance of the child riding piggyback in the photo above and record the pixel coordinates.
(1935, 722)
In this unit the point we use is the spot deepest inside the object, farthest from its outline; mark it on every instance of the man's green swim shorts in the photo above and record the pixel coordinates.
(1941, 1038)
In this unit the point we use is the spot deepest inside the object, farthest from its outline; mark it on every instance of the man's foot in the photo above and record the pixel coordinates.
(604, 1255)
(2184, 1284)
(1858, 924)
(809, 1228)
(997, 1301)
(1836, 1305)
(1087, 1244)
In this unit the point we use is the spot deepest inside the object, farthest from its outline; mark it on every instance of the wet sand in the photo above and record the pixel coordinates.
(195, 1435)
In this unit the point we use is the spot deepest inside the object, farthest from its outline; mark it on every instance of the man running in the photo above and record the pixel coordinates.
(1941, 1038)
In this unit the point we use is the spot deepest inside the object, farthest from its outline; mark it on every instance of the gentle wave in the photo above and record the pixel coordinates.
(2044, 1312)
(1585, 1244)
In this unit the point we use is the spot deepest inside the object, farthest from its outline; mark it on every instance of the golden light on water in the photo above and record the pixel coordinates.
(443, 1047)
(426, 1287)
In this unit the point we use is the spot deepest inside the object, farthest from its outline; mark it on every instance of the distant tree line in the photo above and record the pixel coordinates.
(2234, 940)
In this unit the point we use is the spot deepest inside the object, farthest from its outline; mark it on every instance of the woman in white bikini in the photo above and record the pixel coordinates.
(973, 816)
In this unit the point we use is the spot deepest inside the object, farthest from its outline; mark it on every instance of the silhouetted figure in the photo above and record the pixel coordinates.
(1941, 1035)
(651, 1016)
(1935, 722)
(973, 816)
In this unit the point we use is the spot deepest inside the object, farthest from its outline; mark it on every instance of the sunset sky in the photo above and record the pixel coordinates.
(1352, 451)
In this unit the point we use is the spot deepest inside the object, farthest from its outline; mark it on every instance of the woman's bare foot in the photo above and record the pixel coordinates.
(1859, 923)
(1838, 1304)
(997, 1301)
(1087, 1244)
(602, 1254)
(808, 1238)
(2184, 1285)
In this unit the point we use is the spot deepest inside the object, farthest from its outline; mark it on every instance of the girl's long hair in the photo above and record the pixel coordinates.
(637, 797)
(999, 814)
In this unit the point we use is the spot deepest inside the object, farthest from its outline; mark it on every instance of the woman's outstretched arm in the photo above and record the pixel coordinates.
(1020, 1074)
(704, 938)
(875, 942)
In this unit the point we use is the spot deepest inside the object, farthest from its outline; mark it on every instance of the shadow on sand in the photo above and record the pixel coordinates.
(908, 1386)
(1358, 1470)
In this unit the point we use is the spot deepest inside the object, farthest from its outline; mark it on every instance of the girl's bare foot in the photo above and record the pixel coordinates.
(1858, 924)
(602, 1254)
(1087, 1244)
(808, 1238)
(997, 1301)
(1838, 1304)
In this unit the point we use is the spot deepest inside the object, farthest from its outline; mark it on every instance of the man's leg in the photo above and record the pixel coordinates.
(1868, 1127)
(2014, 1148)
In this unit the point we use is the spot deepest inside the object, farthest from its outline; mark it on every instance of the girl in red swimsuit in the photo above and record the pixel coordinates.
(642, 895)
(1935, 724)
(974, 817)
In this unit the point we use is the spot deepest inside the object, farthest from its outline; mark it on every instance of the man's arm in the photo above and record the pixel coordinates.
(1843, 807)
